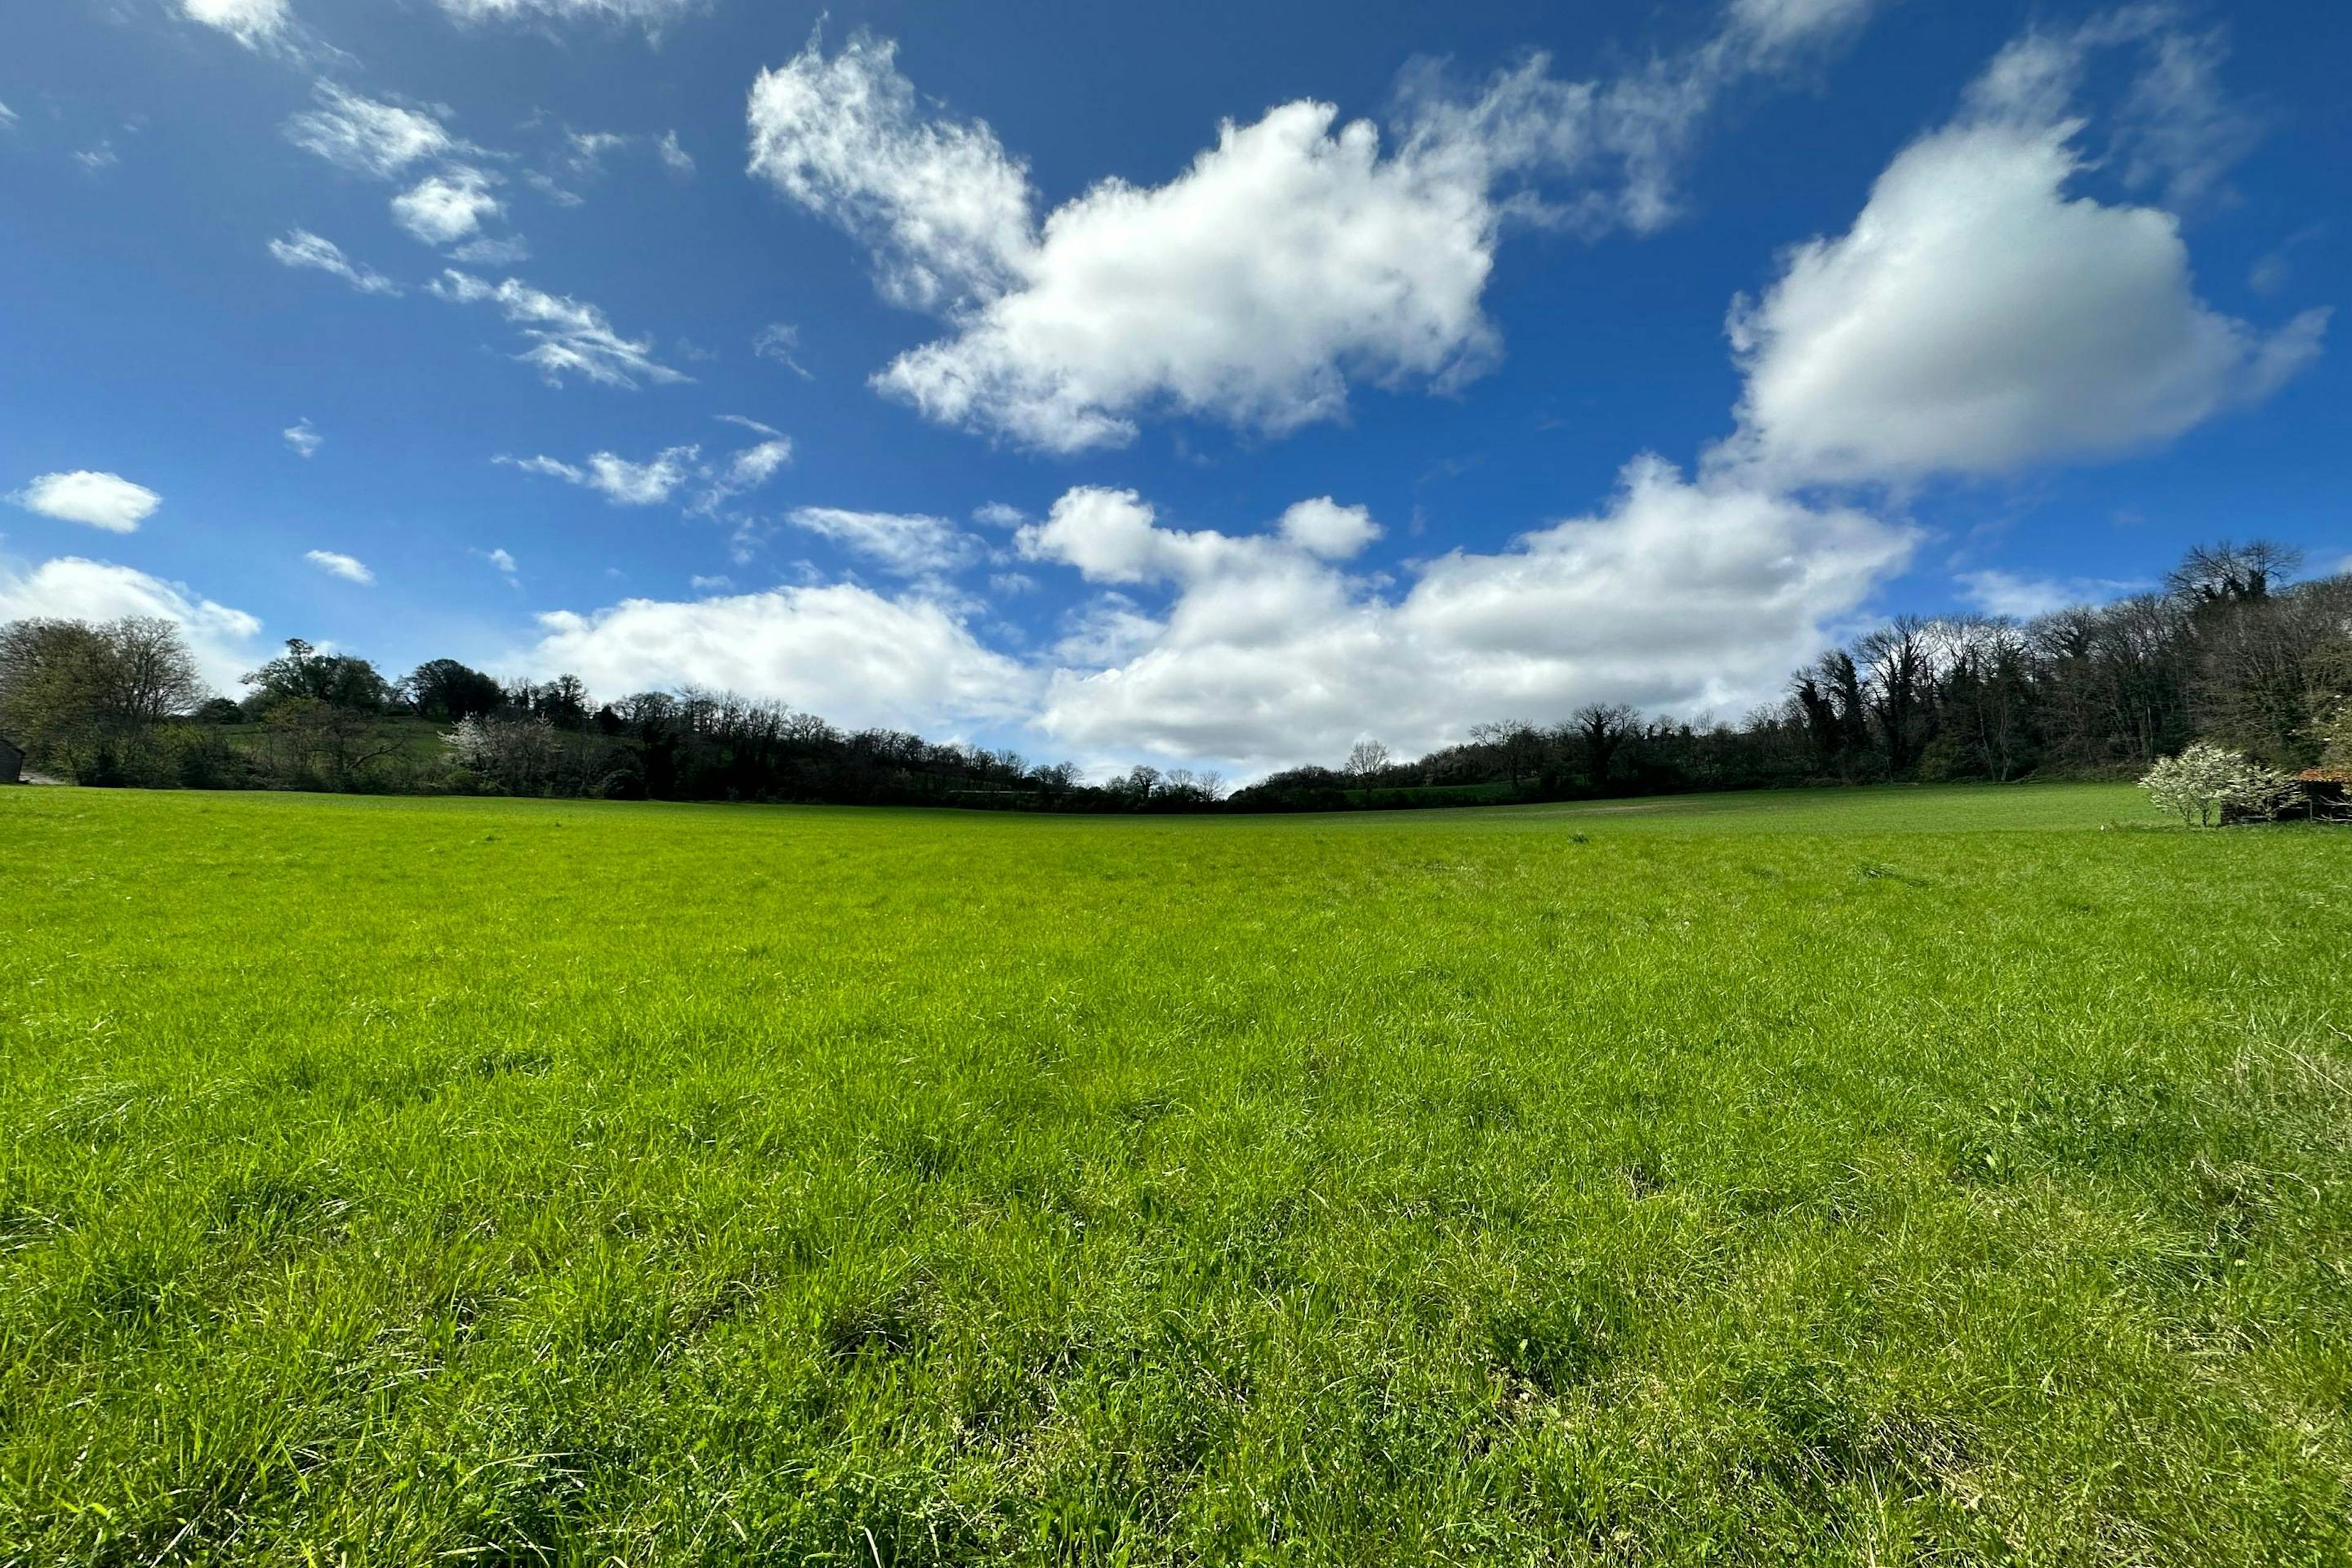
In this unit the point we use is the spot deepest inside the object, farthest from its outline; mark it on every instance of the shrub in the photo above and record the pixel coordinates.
(2207, 785)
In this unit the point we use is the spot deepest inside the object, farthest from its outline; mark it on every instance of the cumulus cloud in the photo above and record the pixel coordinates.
(334, 563)
(446, 207)
(502, 562)
(1291, 261)
(96, 500)
(567, 336)
(856, 657)
(1977, 318)
(904, 544)
(1681, 594)
(253, 23)
(302, 248)
(302, 439)
(1323, 527)
(74, 588)
(368, 137)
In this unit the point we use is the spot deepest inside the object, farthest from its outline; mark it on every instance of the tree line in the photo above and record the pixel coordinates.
(2230, 650)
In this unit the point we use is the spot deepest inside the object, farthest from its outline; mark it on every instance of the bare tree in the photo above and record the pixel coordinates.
(1603, 728)
(1366, 759)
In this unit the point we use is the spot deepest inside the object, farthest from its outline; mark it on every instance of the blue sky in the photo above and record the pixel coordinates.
(1214, 384)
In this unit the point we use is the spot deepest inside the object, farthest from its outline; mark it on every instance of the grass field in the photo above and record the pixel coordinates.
(1922, 1175)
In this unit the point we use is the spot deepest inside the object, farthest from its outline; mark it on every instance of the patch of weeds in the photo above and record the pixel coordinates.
(502, 1060)
(1562, 1339)
(1490, 1107)
(99, 1115)
(1816, 1437)
(272, 1209)
(890, 1322)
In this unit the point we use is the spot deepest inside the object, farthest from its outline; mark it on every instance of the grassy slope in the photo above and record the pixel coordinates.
(1856, 1177)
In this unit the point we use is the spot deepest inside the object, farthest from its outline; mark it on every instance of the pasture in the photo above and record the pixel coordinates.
(1919, 1175)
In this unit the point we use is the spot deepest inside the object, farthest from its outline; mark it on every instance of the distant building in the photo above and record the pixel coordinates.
(12, 762)
(2328, 793)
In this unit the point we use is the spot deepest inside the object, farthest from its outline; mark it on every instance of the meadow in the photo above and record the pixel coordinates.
(1883, 1177)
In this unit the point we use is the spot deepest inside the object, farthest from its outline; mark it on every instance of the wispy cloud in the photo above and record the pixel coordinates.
(304, 440)
(780, 341)
(302, 248)
(567, 336)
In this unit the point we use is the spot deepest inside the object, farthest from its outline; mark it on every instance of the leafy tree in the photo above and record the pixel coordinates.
(336, 679)
(81, 698)
(443, 689)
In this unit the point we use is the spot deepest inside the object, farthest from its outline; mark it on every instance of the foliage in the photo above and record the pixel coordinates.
(1895, 1176)
(2206, 786)
(304, 674)
(83, 700)
(2233, 652)
(2336, 740)
(447, 690)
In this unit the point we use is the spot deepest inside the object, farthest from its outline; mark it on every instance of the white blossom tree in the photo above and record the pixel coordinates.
(2206, 785)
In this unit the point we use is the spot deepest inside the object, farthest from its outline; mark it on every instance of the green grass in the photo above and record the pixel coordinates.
(1896, 1176)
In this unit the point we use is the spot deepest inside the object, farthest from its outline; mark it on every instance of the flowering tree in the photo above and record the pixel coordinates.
(2206, 785)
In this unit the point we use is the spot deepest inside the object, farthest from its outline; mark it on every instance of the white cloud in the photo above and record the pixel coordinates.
(1681, 595)
(8, 117)
(504, 563)
(253, 23)
(998, 514)
(746, 422)
(907, 545)
(1290, 261)
(653, 483)
(856, 657)
(304, 441)
(444, 208)
(2176, 132)
(1978, 318)
(2179, 132)
(503, 251)
(1323, 527)
(755, 465)
(674, 157)
(1769, 25)
(651, 13)
(97, 499)
(300, 247)
(98, 159)
(73, 588)
(780, 341)
(710, 585)
(368, 137)
(944, 207)
(337, 564)
(620, 481)
(2023, 598)
(567, 336)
